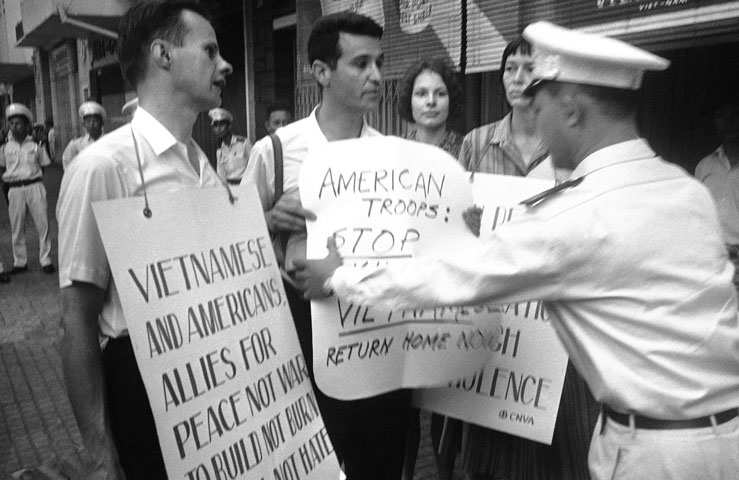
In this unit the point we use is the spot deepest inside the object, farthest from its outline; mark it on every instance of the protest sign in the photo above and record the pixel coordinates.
(213, 337)
(388, 200)
(519, 387)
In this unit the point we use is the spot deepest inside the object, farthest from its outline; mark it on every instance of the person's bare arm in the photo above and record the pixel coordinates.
(288, 215)
(83, 373)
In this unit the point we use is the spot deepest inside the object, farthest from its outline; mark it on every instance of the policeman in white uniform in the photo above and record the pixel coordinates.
(93, 117)
(628, 258)
(233, 150)
(21, 165)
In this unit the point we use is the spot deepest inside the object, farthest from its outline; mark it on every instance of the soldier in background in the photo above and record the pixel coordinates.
(93, 116)
(233, 150)
(21, 165)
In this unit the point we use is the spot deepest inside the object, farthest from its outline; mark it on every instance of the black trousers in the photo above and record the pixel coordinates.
(131, 419)
(369, 435)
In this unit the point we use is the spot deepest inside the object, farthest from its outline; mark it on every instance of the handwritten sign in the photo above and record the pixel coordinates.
(213, 337)
(519, 387)
(388, 200)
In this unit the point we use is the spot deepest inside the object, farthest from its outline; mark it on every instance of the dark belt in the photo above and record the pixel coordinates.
(733, 251)
(234, 182)
(658, 424)
(22, 183)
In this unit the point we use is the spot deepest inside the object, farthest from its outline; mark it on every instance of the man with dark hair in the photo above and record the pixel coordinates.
(719, 171)
(628, 258)
(22, 162)
(346, 60)
(279, 114)
(169, 52)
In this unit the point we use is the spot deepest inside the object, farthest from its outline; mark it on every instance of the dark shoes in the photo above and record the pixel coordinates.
(4, 277)
(47, 269)
(15, 270)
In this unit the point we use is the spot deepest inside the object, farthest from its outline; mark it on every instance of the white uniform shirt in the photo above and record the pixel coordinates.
(722, 181)
(632, 269)
(75, 147)
(297, 139)
(108, 169)
(232, 158)
(23, 161)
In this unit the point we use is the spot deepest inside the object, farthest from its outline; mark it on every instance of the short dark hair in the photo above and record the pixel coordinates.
(146, 21)
(279, 106)
(445, 71)
(323, 42)
(616, 102)
(517, 45)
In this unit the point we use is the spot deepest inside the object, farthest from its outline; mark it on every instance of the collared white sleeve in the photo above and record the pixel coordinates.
(42, 157)
(527, 259)
(70, 152)
(81, 253)
(260, 171)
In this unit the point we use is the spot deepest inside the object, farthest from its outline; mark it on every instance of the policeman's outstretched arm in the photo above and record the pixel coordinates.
(311, 275)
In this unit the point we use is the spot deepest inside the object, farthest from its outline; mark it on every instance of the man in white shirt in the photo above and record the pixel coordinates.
(93, 117)
(719, 171)
(22, 162)
(168, 50)
(233, 150)
(627, 257)
(344, 51)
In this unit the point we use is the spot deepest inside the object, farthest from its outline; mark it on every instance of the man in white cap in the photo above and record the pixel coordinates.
(169, 52)
(233, 150)
(22, 162)
(93, 118)
(628, 258)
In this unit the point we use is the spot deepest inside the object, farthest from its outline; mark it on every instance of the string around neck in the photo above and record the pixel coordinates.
(147, 210)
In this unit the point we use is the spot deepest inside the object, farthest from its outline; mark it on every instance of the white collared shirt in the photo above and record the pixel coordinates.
(722, 180)
(232, 158)
(22, 161)
(297, 139)
(75, 147)
(108, 169)
(632, 268)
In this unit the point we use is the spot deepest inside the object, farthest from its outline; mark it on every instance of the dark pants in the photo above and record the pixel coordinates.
(131, 419)
(369, 435)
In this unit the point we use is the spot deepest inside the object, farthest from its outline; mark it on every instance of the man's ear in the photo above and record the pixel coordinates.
(161, 53)
(321, 72)
(573, 108)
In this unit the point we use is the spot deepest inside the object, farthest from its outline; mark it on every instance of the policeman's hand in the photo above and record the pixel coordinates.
(288, 215)
(311, 275)
(473, 217)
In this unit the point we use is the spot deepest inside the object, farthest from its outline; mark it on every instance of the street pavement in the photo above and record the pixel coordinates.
(36, 420)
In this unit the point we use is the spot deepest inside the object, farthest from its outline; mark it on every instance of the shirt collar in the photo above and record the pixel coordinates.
(366, 129)
(502, 131)
(150, 129)
(613, 154)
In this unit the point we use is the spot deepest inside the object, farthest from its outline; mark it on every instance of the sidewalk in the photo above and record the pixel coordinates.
(36, 420)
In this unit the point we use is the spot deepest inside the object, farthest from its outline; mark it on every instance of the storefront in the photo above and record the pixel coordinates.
(695, 34)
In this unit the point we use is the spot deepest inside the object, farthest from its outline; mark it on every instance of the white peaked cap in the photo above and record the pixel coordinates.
(568, 55)
(15, 109)
(218, 114)
(92, 108)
